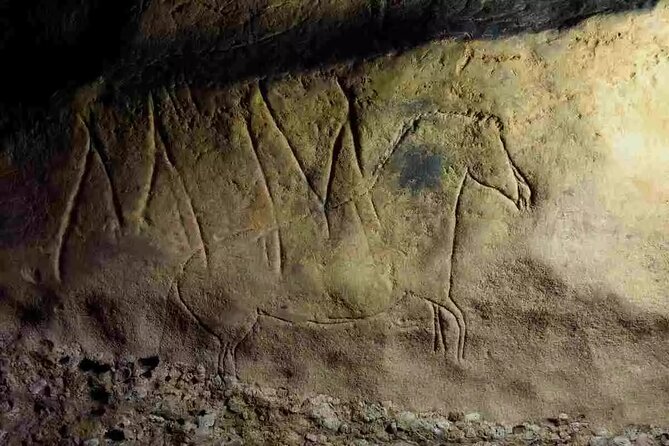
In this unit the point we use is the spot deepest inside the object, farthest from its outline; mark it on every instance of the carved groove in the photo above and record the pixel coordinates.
(96, 154)
(462, 336)
(354, 123)
(336, 152)
(151, 184)
(190, 311)
(71, 205)
(97, 146)
(278, 264)
(262, 88)
(438, 334)
(169, 161)
(374, 208)
(362, 224)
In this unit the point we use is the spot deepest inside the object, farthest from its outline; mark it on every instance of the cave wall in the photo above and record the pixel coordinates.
(471, 214)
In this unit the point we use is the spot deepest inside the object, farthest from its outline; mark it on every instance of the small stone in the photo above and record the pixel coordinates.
(230, 381)
(206, 421)
(644, 440)
(157, 419)
(620, 441)
(563, 417)
(530, 434)
(497, 432)
(201, 370)
(519, 429)
(232, 440)
(373, 412)
(473, 417)
(92, 442)
(38, 386)
(456, 416)
(655, 432)
(293, 437)
(443, 424)
(326, 416)
(236, 405)
(631, 432)
(189, 426)
(5, 406)
(456, 435)
(405, 421)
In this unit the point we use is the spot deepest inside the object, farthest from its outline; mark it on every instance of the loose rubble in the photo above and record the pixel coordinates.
(56, 395)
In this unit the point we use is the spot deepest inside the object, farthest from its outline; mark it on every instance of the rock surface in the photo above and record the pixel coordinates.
(464, 225)
(182, 404)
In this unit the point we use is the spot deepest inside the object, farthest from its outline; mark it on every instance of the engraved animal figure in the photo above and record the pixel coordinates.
(350, 250)
(331, 239)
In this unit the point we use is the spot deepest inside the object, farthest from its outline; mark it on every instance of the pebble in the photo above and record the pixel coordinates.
(443, 423)
(498, 432)
(598, 441)
(326, 416)
(405, 421)
(631, 432)
(38, 386)
(456, 416)
(620, 441)
(206, 421)
(473, 417)
(374, 412)
(318, 439)
(644, 440)
(232, 442)
(235, 405)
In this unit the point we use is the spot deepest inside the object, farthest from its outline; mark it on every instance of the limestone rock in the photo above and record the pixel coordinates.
(468, 217)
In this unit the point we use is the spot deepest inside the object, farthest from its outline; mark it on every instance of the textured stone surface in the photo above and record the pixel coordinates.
(474, 225)
(185, 404)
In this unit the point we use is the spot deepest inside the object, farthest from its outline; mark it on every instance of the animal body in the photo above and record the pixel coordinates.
(335, 238)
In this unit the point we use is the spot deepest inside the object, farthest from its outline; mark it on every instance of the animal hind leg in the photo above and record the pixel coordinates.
(228, 358)
(442, 311)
